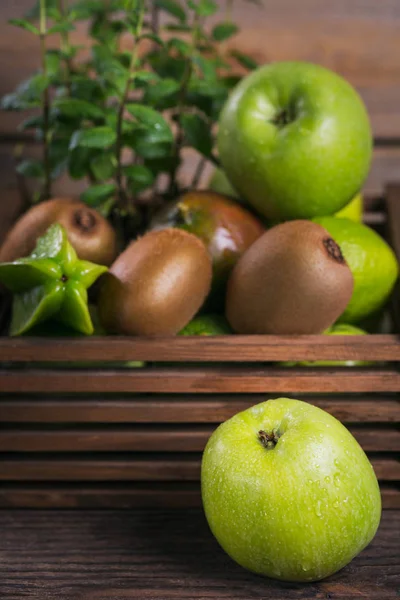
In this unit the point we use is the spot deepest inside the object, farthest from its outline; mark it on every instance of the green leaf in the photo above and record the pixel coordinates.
(31, 123)
(139, 176)
(207, 68)
(79, 162)
(168, 66)
(96, 137)
(73, 107)
(151, 145)
(60, 28)
(224, 31)
(164, 165)
(244, 60)
(85, 9)
(103, 166)
(180, 45)
(27, 95)
(31, 168)
(180, 28)
(36, 305)
(145, 76)
(24, 24)
(97, 194)
(87, 89)
(172, 8)
(197, 133)
(165, 88)
(53, 63)
(153, 37)
(58, 151)
(151, 119)
(51, 7)
(203, 8)
(51, 244)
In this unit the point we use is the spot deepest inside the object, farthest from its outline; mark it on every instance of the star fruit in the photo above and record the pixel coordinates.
(51, 283)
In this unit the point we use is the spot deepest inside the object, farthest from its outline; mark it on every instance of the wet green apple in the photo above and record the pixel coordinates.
(353, 210)
(288, 492)
(220, 183)
(295, 141)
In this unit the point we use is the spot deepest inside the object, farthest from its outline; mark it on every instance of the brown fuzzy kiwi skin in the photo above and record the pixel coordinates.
(292, 280)
(157, 285)
(88, 231)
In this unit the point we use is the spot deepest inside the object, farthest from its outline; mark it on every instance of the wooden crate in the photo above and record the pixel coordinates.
(118, 437)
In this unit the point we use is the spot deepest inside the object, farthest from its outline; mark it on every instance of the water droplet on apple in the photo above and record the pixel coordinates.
(336, 504)
(336, 462)
(318, 509)
(327, 479)
(336, 480)
(306, 567)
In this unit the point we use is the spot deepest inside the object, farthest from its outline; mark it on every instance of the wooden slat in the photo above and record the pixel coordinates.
(128, 469)
(238, 348)
(165, 495)
(155, 439)
(175, 409)
(203, 381)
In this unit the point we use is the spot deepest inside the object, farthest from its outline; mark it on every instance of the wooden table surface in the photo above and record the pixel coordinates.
(148, 554)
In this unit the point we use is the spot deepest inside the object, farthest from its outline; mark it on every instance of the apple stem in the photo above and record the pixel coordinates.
(268, 440)
(282, 118)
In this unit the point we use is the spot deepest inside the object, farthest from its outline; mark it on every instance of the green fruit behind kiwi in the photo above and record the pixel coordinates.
(156, 285)
(88, 231)
(292, 280)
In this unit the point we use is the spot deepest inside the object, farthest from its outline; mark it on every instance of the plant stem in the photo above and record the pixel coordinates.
(121, 110)
(172, 189)
(65, 46)
(198, 173)
(46, 104)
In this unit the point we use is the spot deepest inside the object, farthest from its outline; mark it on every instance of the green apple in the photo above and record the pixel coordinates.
(353, 210)
(295, 140)
(219, 182)
(288, 492)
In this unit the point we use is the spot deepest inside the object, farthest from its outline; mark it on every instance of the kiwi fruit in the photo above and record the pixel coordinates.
(88, 231)
(156, 285)
(292, 280)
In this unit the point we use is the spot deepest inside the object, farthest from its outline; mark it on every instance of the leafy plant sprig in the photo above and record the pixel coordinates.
(121, 111)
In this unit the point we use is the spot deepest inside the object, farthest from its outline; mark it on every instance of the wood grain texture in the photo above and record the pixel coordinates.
(145, 467)
(178, 409)
(154, 439)
(202, 380)
(231, 348)
(162, 555)
(128, 495)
